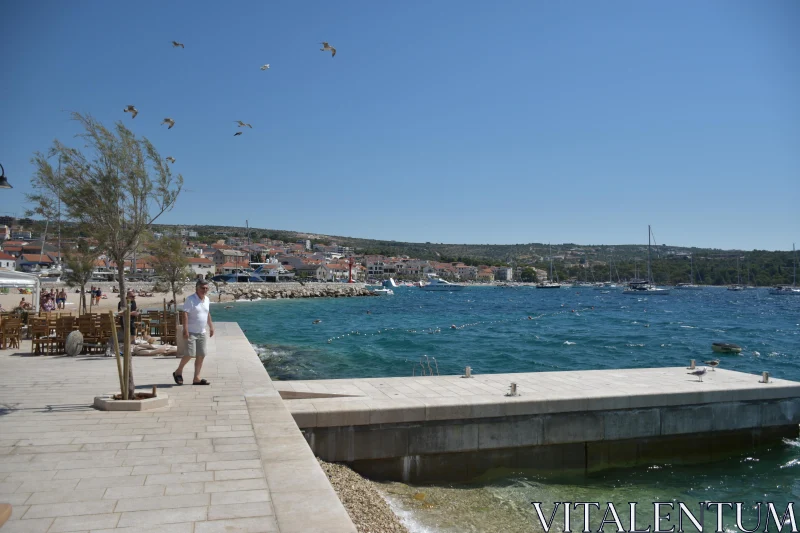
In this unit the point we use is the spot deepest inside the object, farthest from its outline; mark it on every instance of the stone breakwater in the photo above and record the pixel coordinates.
(253, 291)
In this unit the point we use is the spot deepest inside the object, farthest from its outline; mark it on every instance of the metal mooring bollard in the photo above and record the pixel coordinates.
(512, 391)
(764, 377)
(467, 372)
(692, 365)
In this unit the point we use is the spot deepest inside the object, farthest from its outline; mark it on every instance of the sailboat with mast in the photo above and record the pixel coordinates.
(646, 286)
(550, 284)
(792, 289)
(691, 285)
(738, 286)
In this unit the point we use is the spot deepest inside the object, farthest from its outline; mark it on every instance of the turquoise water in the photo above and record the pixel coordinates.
(568, 329)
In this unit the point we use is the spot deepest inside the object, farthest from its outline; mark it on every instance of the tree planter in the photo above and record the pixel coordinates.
(144, 401)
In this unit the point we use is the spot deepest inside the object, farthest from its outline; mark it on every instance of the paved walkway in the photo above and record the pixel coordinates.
(225, 458)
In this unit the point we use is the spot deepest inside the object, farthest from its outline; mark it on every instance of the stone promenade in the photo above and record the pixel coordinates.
(223, 458)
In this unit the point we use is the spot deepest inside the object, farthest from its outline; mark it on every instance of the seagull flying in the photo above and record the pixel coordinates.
(265, 67)
(713, 363)
(176, 44)
(328, 48)
(699, 373)
(243, 124)
(168, 121)
(170, 159)
(237, 133)
(132, 110)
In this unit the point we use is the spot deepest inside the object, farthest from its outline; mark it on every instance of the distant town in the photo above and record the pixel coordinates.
(34, 246)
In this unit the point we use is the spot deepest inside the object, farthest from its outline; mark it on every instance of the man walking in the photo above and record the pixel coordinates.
(196, 316)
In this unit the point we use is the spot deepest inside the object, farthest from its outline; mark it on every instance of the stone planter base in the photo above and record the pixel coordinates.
(145, 402)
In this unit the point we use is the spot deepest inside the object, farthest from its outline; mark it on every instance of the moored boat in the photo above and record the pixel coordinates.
(383, 291)
(645, 286)
(726, 347)
(435, 283)
(789, 290)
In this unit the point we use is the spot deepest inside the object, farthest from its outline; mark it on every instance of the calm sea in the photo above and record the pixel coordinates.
(528, 330)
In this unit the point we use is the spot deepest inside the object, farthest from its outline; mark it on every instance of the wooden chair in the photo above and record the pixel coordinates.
(64, 326)
(10, 333)
(41, 341)
(86, 325)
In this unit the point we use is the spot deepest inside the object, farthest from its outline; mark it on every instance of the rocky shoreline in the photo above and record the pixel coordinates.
(253, 291)
(368, 510)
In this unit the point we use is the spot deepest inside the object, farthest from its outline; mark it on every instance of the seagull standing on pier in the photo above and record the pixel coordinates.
(713, 364)
(699, 373)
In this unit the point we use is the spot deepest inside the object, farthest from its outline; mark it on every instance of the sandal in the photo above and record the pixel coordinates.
(178, 379)
(201, 382)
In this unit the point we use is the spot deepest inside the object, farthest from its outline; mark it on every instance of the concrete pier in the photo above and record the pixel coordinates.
(450, 428)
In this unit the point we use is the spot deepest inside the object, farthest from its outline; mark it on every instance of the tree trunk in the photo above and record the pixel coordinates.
(121, 274)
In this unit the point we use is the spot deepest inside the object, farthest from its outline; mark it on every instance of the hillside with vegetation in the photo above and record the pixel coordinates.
(670, 264)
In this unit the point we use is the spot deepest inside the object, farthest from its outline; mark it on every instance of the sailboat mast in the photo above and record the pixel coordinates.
(649, 273)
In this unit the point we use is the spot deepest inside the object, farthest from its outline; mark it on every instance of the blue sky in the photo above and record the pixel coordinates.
(446, 121)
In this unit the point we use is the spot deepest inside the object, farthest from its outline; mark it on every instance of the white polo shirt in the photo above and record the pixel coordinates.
(198, 313)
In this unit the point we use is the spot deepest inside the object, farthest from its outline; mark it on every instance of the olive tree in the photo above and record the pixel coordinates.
(113, 189)
(170, 265)
(80, 265)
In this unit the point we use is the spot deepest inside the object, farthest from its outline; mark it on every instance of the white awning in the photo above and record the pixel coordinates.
(14, 280)
(21, 280)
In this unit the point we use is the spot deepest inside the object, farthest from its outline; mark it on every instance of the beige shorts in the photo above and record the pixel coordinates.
(196, 345)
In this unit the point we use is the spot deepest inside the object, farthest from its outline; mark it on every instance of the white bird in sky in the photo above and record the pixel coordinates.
(327, 48)
(170, 159)
(132, 110)
(265, 67)
(168, 121)
(176, 44)
(243, 124)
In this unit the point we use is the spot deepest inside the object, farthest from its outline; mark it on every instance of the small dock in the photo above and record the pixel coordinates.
(449, 428)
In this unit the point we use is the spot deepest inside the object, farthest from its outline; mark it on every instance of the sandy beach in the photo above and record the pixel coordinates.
(108, 303)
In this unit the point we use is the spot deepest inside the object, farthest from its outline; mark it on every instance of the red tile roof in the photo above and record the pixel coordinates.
(37, 258)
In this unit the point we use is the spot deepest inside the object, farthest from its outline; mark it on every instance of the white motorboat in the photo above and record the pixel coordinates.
(435, 283)
(548, 285)
(383, 291)
(789, 290)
